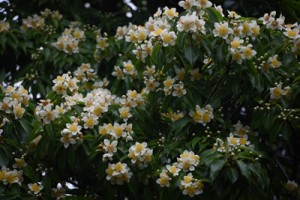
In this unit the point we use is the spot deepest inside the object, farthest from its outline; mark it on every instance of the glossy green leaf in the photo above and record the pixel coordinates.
(232, 174)
(216, 167)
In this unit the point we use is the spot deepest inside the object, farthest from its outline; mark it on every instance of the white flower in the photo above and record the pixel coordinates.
(118, 173)
(125, 113)
(74, 128)
(164, 179)
(67, 139)
(35, 187)
(170, 12)
(278, 91)
(90, 120)
(292, 31)
(222, 30)
(274, 62)
(248, 52)
(173, 169)
(118, 130)
(179, 90)
(168, 37)
(202, 4)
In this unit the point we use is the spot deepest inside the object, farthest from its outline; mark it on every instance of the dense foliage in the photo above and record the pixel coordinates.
(194, 104)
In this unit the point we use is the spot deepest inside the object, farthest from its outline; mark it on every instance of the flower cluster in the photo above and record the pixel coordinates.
(102, 42)
(271, 22)
(110, 148)
(46, 112)
(4, 26)
(173, 116)
(117, 130)
(191, 186)
(140, 155)
(277, 92)
(68, 42)
(186, 162)
(85, 73)
(232, 144)
(118, 173)
(34, 22)
(172, 77)
(8, 176)
(65, 83)
(202, 115)
(15, 100)
(70, 132)
(51, 13)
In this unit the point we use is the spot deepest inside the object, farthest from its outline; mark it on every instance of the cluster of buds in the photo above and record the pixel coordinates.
(288, 114)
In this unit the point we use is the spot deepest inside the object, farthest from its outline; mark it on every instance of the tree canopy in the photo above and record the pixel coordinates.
(186, 100)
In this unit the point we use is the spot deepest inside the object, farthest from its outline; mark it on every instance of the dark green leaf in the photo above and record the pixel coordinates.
(216, 167)
(191, 53)
(178, 125)
(244, 169)
(158, 55)
(4, 158)
(232, 174)
(276, 128)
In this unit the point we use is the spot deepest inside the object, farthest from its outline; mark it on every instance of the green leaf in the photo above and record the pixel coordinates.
(2, 75)
(232, 174)
(30, 173)
(178, 125)
(195, 141)
(216, 167)
(207, 45)
(26, 125)
(256, 120)
(3, 41)
(208, 153)
(71, 157)
(158, 56)
(191, 53)
(41, 88)
(276, 128)
(213, 14)
(4, 158)
(286, 131)
(268, 121)
(244, 169)
(47, 53)
(181, 39)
